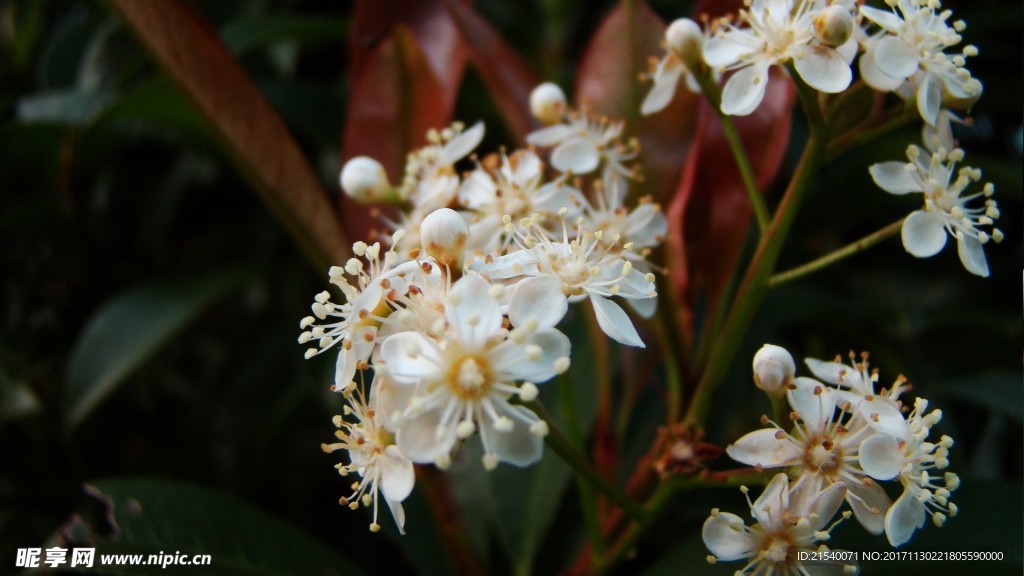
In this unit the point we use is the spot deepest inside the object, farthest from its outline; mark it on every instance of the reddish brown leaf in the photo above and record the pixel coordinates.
(374, 21)
(609, 82)
(251, 131)
(391, 107)
(507, 77)
(711, 212)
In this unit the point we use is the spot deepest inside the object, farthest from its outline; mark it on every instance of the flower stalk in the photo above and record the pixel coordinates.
(827, 260)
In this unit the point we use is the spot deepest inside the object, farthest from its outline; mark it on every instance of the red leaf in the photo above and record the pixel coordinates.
(507, 77)
(251, 131)
(374, 21)
(609, 82)
(711, 213)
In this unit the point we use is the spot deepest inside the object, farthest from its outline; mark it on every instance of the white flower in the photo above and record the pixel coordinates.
(463, 380)
(789, 520)
(364, 179)
(945, 211)
(684, 41)
(556, 271)
(430, 179)
(643, 228)
(382, 468)
(515, 189)
(911, 47)
(777, 32)
(823, 444)
(914, 460)
(773, 368)
(582, 142)
(547, 103)
(355, 322)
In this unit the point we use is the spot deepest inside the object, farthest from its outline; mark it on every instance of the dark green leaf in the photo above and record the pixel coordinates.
(245, 35)
(151, 516)
(997, 391)
(126, 332)
(72, 107)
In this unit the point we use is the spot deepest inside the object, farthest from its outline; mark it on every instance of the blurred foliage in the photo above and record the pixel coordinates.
(135, 253)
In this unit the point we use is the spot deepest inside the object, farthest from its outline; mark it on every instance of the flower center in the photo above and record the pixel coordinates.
(775, 548)
(822, 454)
(470, 378)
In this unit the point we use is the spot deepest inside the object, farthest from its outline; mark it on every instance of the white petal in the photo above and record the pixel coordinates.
(344, 368)
(883, 416)
(923, 234)
(614, 321)
(869, 503)
(839, 374)
(880, 457)
(929, 98)
(972, 255)
(773, 503)
(896, 57)
(473, 312)
(551, 135)
(764, 448)
(398, 513)
(576, 155)
(411, 357)
(884, 18)
(826, 505)
(644, 307)
(539, 298)
(417, 438)
(744, 91)
(905, 516)
(396, 474)
(513, 362)
(813, 402)
(725, 538)
(823, 69)
(720, 52)
(894, 177)
(873, 75)
(518, 446)
(666, 77)
(460, 146)
(477, 190)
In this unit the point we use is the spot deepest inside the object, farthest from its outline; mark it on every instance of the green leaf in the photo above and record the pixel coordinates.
(151, 516)
(248, 34)
(129, 330)
(17, 399)
(249, 129)
(997, 391)
(71, 107)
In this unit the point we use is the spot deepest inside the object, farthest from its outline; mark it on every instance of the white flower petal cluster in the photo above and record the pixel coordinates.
(777, 32)
(946, 210)
(382, 469)
(684, 43)
(908, 55)
(453, 321)
(790, 518)
(847, 434)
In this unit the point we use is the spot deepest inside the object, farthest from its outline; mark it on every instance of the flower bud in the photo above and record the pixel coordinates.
(547, 103)
(444, 235)
(833, 26)
(363, 179)
(773, 368)
(686, 40)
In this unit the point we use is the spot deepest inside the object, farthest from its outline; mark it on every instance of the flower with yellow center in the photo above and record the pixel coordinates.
(463, 377)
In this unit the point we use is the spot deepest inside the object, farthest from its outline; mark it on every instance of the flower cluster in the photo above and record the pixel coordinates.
(845, 436)
(907, 54)
(453, 323)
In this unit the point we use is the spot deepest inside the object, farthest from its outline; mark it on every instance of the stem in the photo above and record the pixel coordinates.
(833, 257)
(755, 282)
(809, 99)
(673, 374)
(561, 446)
(714, 96)
(565, 450)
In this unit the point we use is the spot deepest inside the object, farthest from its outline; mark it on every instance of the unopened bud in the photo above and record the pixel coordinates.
(444, 235)
(686, 40)
(364, 179)
(547, 103)
(773, 368)
(833, 26)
